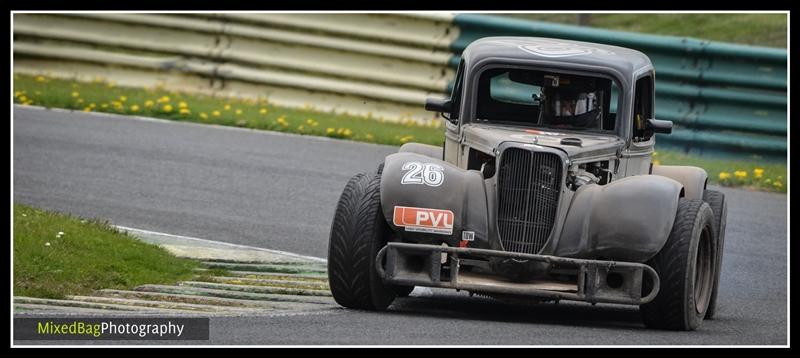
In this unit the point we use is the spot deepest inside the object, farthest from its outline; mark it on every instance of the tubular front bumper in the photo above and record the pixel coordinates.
(421, 265)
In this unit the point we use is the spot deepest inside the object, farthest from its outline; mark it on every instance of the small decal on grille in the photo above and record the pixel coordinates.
(467, 235)
(433, 221)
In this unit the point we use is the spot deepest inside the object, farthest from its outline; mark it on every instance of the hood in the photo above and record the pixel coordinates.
(488, 138)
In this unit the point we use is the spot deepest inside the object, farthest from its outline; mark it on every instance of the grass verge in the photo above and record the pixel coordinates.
(57, 255)
(99, 96)
(749, 29)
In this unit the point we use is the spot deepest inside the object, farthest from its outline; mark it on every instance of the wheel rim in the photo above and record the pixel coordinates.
(703, 275)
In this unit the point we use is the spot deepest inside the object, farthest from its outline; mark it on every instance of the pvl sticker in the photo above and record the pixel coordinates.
(432, 221)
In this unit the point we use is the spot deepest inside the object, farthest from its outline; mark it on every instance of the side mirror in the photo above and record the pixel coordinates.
(659, 126)
(438, 105)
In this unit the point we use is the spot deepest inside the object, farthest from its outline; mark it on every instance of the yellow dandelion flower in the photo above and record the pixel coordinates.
(79, 101)
(183, 105)
(777, 184)
(103, 105)
(87, 109)
(724, 175)
(238, 112)
(92, 105)
(75, 94)
(758, 172)
(330, 131)
(655, 154)
(227, 107)
(185, 111)
(135, 108)
(123, 98)
(164, 99)
(215, 113)
(347, 132)
(203, 115)
(369, 136)
(40, 79)
(656, 162)
(263, 111)
(300, 128)
(23, 98)
(167, 108)
(148, 103)
(741, 174)
(19, 93)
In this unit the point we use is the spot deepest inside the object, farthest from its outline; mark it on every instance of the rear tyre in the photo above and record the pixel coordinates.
(719, 206)
(685, 266)
(358, 232)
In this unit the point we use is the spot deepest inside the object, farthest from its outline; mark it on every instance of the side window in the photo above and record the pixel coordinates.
(455, 96)
(611, 120)
(642, 108)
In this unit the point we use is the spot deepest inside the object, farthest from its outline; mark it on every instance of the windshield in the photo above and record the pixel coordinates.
(546, 99)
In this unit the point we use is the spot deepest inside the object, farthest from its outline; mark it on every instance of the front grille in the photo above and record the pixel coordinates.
(528, 190)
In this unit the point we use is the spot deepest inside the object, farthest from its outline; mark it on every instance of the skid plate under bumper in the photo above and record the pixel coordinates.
(594, 280)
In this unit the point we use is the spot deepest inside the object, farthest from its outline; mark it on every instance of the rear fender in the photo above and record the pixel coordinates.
(693, 179)
(424, 149)
(626, 220)
(427, 200)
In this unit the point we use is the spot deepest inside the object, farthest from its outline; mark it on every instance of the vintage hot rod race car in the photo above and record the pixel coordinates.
(544, 190)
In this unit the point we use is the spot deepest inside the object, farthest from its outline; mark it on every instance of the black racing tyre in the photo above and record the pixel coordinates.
(685, 266)
(402, 291)
(358, 232)
(719, 206)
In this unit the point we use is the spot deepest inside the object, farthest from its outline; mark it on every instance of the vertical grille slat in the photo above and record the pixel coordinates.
(529, 187)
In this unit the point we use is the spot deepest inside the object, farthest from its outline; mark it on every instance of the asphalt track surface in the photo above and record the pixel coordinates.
(279, 192)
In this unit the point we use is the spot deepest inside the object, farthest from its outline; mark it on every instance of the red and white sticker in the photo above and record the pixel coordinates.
(433, 221)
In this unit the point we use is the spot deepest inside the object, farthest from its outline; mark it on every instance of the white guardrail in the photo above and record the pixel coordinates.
(379, 64)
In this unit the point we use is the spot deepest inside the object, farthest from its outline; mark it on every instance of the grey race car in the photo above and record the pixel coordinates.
(544, 190)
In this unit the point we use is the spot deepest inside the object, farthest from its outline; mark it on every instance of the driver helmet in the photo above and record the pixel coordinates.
(562, 106)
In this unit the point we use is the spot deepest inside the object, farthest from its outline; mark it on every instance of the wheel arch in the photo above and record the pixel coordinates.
(628, 219)
(460, 191)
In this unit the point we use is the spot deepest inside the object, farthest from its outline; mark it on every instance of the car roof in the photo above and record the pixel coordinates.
(624, 60)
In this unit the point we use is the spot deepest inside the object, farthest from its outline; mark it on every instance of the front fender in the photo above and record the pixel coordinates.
(626, 220)
(422, 207)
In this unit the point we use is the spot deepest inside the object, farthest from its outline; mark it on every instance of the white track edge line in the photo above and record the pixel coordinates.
(286, 253)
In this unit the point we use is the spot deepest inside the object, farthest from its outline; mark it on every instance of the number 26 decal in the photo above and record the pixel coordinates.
(429, 174)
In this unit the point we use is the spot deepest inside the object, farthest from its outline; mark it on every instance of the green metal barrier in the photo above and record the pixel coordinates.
(725, 99)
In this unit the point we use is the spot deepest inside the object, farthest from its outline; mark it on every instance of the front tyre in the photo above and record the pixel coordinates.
(358, 232)
(685, 266)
